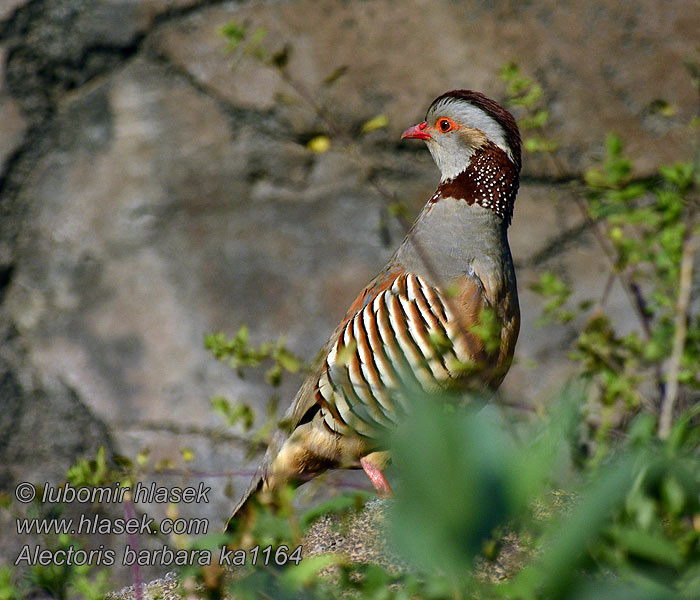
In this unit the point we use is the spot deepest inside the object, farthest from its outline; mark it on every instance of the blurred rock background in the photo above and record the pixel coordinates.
(154, 188)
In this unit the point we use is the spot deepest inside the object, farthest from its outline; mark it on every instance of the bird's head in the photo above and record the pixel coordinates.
(459, 123)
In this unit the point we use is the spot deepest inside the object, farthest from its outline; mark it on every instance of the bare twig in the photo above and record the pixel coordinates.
(602, 301)
(634, 295)
(212, 433)
(690, 245)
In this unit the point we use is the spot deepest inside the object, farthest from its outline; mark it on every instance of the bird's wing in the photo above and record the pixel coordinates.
(305, 399)
(403, 334)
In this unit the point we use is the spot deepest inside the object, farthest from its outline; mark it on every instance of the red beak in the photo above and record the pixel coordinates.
(417, 132)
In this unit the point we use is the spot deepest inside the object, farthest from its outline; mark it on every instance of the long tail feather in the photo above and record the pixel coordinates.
(241, 514)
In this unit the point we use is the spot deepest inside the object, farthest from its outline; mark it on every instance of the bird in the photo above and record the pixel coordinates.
(416, 323)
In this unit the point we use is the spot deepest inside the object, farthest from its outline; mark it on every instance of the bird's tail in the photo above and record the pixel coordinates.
(258, 492)
(269, 480)
(244, 511)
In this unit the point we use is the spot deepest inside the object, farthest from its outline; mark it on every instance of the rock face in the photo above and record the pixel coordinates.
(154, 188)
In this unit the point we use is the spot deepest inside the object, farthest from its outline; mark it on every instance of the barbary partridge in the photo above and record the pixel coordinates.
(454, 264)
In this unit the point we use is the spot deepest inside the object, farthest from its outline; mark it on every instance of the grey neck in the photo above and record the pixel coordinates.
(455, 238)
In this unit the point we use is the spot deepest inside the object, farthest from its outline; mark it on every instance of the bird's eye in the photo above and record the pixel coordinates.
(445, 124)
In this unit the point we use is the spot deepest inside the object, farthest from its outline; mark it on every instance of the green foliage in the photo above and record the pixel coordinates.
(378, 122)
(557, 292)
(239, 353)
(443, 521)
(613, 359)
(59, 581)
(628, 528)
(526, 97)
(626, 523)
(239, 37)
(8, 590)
(233, 413)
(646, 224)
(92, 472)
(488, 329)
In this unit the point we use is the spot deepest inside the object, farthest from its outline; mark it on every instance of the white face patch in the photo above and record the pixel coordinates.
(467, 114)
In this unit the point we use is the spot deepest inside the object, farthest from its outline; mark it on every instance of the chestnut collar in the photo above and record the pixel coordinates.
(490, 180)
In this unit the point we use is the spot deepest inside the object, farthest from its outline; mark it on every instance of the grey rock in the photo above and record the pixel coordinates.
(8, 7)
(13, 125)
(361, 537)
(164, 588)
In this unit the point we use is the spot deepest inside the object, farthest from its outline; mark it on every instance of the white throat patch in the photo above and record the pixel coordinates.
(473, 116)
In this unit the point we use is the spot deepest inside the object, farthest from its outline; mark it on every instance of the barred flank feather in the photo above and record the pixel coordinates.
(386, 344)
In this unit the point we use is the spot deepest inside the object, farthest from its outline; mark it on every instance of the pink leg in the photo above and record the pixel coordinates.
(377, 478)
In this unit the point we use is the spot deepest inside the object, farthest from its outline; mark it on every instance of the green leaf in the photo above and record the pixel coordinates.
(488, 329)
(346, 353)
(90, 472)
(234, 33)
(187, 454)
(287, 360)
(233, 413)
(454, 485)
(564, 544)
(680, 174)
(8, 591)
(306, 572)
(647, 545)
(613, 145)
(537, 145)
(397, 209)
(673, 494)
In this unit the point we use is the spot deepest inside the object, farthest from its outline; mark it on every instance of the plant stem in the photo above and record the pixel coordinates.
(136, 579)
(690, 244)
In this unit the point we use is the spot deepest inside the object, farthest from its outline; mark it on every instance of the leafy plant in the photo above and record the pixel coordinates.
(239, 353)
(526, 96)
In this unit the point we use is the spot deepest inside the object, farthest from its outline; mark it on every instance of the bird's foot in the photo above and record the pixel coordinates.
(377, 478)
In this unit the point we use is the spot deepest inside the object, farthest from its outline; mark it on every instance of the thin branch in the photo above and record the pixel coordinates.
(136, 579)
(632, 290)
(602, 301)
(212, 433)
(690, 245)
(634, 296)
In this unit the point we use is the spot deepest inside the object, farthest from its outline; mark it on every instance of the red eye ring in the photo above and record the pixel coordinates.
(445, 124)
